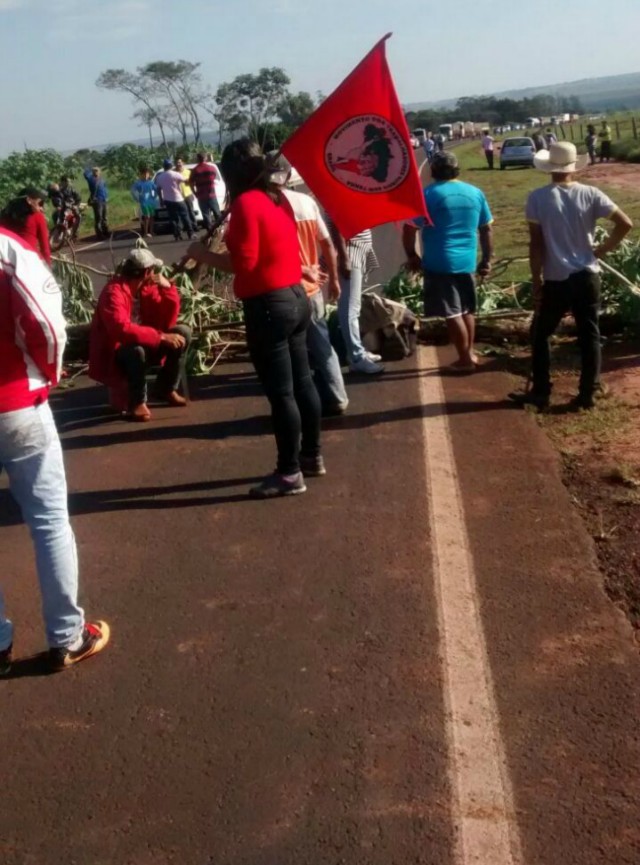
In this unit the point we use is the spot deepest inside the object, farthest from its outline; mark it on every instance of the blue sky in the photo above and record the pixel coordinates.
(53, 50)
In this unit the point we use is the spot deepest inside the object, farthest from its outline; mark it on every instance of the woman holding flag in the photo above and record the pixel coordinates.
(264, 255)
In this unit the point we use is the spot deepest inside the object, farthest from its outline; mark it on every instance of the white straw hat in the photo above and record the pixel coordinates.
(561, 158)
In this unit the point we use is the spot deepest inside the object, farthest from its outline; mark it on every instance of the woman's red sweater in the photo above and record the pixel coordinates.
(36, 233)
(262, 240)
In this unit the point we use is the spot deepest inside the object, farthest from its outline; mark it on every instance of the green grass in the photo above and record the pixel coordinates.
(507, 193)
(601, 425)
(121, 207)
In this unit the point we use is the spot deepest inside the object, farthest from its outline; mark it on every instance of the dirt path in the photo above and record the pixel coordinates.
(619, 175)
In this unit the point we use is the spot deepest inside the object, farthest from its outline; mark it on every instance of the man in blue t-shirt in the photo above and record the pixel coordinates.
(459, 213)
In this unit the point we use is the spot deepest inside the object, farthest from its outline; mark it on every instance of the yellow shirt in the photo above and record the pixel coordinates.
(185, 189)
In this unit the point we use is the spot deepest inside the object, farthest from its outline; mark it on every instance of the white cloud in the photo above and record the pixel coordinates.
(87, 19)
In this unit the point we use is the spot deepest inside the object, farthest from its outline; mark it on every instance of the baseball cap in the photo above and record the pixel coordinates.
(167, 163)
(278, 168)
(143, 259)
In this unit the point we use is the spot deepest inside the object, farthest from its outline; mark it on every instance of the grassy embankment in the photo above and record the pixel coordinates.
(507, 192)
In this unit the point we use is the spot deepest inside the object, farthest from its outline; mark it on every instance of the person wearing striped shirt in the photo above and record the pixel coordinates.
(356, 259)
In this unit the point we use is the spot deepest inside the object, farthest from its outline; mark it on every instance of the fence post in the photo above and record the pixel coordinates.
(581, 133)
(634, 127)
(571, 132)
(617, 130)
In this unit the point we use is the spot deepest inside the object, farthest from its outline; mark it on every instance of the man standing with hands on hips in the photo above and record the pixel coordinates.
(564, 265)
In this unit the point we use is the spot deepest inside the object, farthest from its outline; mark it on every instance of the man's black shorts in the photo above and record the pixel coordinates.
(447, 295)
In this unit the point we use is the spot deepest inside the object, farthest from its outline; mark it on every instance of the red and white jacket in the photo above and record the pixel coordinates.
(32, 328)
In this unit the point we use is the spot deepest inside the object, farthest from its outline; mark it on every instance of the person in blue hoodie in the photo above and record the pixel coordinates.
(98, 198)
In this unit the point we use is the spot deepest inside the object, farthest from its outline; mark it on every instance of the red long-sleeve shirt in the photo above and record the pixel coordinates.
(112, 325)
(35, 232)
(262, 240)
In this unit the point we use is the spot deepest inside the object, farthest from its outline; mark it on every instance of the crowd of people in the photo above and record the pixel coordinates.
(179, 188)
(285, 259)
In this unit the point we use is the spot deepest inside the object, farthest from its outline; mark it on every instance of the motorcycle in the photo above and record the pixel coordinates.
(66, 229)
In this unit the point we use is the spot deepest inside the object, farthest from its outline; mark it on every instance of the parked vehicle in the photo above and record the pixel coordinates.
(161, 221)
(517, 151)
(420, 135)
(446, 130)
(66, 229)
(413, 141)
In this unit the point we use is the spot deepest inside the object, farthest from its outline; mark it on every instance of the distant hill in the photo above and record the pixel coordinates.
(615, 92)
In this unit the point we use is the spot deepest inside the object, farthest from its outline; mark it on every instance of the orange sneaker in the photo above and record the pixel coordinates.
(95, 637)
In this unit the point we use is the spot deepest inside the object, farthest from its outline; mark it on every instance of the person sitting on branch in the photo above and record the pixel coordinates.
(134, 328)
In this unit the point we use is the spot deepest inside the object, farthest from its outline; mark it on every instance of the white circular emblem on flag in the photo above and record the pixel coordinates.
(368, 154)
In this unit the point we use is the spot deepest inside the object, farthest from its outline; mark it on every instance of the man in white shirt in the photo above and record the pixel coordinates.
(429, 147)
(564, 267)
(169, 184)
(487, 146)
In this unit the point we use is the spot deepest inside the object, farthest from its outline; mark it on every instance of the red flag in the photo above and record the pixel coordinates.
(354, 152)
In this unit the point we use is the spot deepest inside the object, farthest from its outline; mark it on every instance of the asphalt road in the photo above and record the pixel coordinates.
(280, 689)
(415, 663)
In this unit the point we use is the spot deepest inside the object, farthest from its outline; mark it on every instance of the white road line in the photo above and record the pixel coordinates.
(486, 830)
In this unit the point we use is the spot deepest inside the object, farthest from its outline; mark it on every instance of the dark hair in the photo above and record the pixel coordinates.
(243, 167)
(130, 270)
(17, 210)
(200, 157)
(440, 170)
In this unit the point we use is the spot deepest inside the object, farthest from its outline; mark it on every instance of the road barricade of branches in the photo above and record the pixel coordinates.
(207, 306)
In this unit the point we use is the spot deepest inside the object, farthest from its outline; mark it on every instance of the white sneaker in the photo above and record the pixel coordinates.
(376, 358)
(366, 366)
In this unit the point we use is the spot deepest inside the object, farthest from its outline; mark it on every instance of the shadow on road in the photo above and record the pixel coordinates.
(139, 498)
(30, 667)
(129, 433)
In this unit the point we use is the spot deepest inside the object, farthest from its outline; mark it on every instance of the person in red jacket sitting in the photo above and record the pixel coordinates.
(134, 327)
(23, 215)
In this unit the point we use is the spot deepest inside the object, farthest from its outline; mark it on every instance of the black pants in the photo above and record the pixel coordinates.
(134, 360)
(605, 150)
(489, 155)
(100, 218)
(277, 324)
(179, 213)
(580, 295)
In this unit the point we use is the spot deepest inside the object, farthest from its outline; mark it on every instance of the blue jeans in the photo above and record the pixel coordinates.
(324, 360)
(179, 213)
(349, 305)
(31, 454)
(207, 207)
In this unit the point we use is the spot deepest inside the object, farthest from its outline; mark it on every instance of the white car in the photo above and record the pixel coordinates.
(162, 217)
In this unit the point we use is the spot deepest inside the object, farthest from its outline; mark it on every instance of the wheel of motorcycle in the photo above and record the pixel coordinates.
(57, 238)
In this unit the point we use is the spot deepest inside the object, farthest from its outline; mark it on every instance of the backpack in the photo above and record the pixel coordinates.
(387, 327)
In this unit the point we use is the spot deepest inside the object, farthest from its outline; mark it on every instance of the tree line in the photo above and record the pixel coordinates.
(496, 111)
(173, 102)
